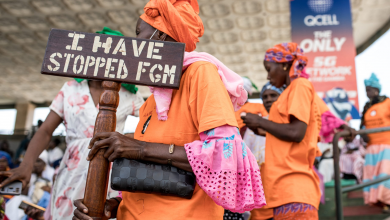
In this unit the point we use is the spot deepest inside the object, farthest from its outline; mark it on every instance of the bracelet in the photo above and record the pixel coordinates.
(116, 199)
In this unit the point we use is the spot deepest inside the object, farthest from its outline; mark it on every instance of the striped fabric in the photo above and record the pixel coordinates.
(377, 165)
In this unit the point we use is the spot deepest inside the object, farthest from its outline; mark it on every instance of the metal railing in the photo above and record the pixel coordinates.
(336, 159)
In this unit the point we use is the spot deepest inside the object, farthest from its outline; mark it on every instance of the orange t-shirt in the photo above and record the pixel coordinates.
(321, 104)
(287, 174)
(200, 104)
(254, 108)
(377, 116)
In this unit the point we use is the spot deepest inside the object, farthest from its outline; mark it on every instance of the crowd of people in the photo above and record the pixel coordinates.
(249, 159)
(40, 183)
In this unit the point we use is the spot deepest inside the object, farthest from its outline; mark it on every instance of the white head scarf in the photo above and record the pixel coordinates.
(247, 85)
(44, 156)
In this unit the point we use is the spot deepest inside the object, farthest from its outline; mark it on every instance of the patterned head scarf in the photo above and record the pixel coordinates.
(373, 81)
(268, 86)
(178, 19)
(288, 52)
(129, 87)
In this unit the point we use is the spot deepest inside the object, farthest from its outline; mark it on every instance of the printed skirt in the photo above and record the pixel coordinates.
(377, 165)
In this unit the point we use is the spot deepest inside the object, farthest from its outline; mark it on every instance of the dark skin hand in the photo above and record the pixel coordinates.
(352, 132)
(46, 188)
(110, 209)
(34, 213)
(40, 141)
(121, 146)
(292, 132)
(269, 96)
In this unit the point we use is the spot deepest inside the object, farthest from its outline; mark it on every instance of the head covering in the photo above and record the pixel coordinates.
(247, 85)
(178, 19)
(44, 156)
(373, 81)
(268, 86)
(129, 87)
(288, 52)
(5, 155)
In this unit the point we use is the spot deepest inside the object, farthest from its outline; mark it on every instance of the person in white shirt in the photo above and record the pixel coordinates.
(54, 152)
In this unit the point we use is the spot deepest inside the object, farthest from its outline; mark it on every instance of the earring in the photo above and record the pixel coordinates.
(285, 68)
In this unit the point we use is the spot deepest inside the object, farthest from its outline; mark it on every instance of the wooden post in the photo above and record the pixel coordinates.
(98, 171)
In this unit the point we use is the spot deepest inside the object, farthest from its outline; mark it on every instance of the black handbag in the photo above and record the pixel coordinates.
(147, 177)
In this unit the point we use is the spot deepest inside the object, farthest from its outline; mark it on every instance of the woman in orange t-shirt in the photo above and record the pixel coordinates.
(248, 107)
(290, 183)
(269, 94)
(377, 159)
(192, 128)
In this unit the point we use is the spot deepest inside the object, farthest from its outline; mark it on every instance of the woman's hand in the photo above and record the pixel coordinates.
(261, 132)
(119, 146)
(110, 209)
(34, 213)
(352, 131)
(46, 188)
(252, 121)
(22, 173)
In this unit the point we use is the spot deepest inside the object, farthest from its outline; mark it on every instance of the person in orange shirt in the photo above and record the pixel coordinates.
(290, 182)
(196, 121)
(377, 159)
(248, 107)
(256, 142)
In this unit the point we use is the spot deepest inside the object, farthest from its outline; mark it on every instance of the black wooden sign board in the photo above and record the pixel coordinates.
(113, 58)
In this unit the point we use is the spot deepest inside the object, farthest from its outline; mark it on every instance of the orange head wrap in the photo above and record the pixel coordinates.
(177, 18)
(288, 52)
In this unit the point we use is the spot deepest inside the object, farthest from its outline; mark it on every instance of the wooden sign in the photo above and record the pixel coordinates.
(113, 58)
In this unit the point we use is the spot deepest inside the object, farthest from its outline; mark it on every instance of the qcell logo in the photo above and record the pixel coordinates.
(321, 20)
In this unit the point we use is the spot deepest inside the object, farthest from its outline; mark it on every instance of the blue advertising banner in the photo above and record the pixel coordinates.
(323, 29)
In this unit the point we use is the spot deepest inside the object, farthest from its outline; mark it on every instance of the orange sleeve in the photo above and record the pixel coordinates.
(254, 108)
(263, 111)
(321, 104)
(238, 117)
(300, 100)
(210, 104)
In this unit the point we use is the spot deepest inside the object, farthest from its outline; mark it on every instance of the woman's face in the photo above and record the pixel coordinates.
(276, 74)
(39, 166)
(269, 97)
(144, 30)
(372, 92)
(3, 164)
